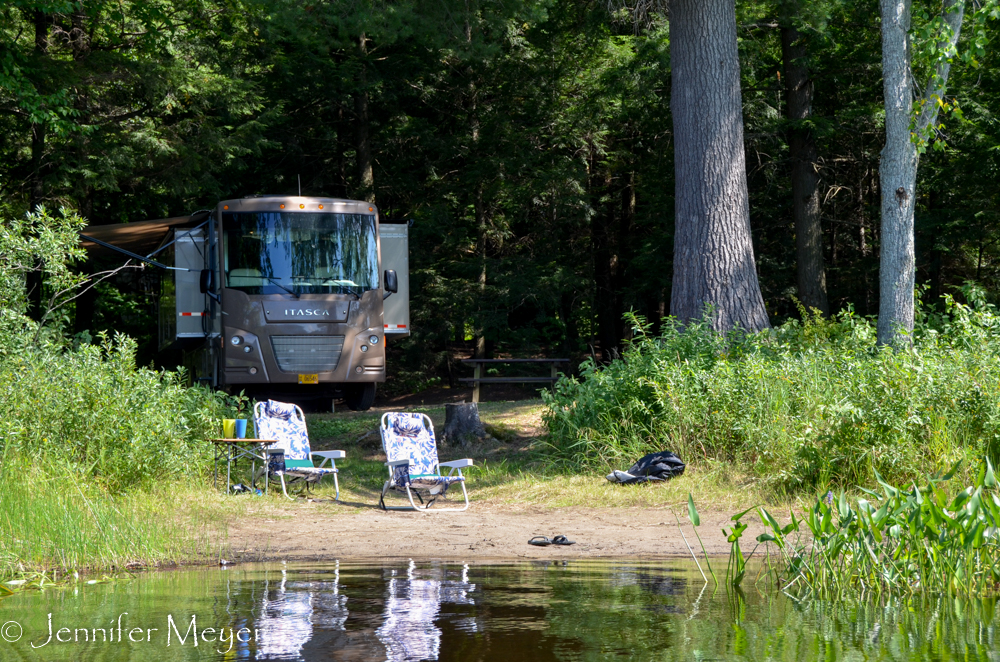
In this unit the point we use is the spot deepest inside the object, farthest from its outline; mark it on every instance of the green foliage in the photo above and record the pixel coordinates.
(901, 541)
(37, 241)
(808, 403)
(92, 411)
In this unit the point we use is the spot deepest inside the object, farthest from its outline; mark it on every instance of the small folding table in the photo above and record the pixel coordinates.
(231, 451)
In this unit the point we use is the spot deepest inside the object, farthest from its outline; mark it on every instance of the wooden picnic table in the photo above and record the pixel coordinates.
(478, 378)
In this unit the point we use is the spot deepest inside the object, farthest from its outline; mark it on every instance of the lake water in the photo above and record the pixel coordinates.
(400, 610)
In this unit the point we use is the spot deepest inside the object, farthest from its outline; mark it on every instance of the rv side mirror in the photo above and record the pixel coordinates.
(390, 281)
(205, 281)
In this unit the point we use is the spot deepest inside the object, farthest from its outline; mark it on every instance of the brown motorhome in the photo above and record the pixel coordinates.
(285, 295)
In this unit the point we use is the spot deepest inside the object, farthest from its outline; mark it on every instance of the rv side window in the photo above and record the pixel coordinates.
(275, 252)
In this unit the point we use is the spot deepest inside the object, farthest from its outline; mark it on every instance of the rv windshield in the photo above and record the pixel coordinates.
(275, 252)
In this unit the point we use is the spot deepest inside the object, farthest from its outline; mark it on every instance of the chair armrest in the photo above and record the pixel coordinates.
(332, 455)
(456, 464)
(399, 463)
(328, 455)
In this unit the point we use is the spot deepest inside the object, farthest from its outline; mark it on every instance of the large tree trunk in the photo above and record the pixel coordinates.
(898, 165)
(805, 180)
(713, 253)
(366, 177)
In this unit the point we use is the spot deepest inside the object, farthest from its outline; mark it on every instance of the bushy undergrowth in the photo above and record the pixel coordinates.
(804, 404)
(91, 411)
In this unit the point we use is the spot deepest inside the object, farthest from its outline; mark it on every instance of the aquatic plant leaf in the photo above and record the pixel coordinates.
(766, 537)
(769, 520)
(880, 514)
(692, 513)
(975, 502)
(977, 535)
(736, 533)
(951, 473)
(791, 526)
(990, 480)
(960, 499)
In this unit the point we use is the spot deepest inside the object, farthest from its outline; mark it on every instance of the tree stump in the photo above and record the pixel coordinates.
(462, 424)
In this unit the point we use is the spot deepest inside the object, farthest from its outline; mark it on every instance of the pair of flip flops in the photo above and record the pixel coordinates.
(542, 541)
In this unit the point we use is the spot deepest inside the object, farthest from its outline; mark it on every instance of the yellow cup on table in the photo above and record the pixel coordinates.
(228, 428)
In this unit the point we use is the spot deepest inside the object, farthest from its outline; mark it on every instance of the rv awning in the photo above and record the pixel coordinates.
(140, 237)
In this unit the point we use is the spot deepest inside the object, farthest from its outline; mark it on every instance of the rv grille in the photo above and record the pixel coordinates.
(307, 354)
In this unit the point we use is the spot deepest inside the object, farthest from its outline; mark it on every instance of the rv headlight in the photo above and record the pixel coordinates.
(247, 349)
(236, 340)
(373, 340)
(253, 370)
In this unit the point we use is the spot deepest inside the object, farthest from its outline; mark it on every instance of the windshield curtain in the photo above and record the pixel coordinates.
(275, 252)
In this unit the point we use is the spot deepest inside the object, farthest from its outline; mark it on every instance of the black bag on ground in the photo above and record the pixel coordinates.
(653, 467)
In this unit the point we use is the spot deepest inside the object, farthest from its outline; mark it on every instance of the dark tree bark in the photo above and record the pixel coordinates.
(363, 147)
(805, 181)
(713, 253)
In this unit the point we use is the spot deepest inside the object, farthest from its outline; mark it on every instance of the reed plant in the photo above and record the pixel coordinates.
(811, 403)
(919, 539)
(54, 522)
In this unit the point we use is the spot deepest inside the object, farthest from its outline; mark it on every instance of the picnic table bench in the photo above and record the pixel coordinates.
(478, 378)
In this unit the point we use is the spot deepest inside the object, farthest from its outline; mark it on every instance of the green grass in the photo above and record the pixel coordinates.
(513, 469)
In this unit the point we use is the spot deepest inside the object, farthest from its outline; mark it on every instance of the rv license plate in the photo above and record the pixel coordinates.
(309, 379)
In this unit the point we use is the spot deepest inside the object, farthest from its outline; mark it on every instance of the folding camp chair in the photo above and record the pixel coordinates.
(291, 456)
(412, 459)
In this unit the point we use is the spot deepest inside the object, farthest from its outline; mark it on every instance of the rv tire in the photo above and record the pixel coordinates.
(360, 397)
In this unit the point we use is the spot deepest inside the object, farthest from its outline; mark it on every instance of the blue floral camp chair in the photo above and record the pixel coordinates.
(291, 456)
(412, 459)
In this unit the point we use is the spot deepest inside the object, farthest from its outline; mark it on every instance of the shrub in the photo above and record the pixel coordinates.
(810, 402)
(92, 410)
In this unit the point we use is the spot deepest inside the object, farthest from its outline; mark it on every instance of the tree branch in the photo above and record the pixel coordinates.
(952, 12)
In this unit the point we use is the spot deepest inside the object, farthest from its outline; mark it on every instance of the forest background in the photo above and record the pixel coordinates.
(530, 143)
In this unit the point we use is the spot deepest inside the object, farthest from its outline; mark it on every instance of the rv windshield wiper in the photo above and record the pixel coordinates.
(275, 282)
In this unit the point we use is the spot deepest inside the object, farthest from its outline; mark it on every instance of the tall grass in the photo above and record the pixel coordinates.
(54, 522)
(808, 403)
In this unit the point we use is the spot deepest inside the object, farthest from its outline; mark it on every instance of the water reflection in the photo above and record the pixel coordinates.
(413, 605)
(292, 611)
(443, 611)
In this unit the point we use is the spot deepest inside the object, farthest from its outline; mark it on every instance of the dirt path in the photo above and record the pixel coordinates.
(327, 531)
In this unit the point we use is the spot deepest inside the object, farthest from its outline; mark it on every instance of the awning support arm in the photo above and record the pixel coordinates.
(134, 256)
